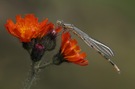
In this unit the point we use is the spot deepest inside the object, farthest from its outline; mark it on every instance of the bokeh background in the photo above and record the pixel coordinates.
(109, 21)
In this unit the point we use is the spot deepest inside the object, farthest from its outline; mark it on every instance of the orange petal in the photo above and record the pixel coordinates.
(18, 18)
(65, 37)
(83, 55)
(82, 62)
(43, 23)
(72, 58)
(10, 26)
(65, 41)
(58, 29)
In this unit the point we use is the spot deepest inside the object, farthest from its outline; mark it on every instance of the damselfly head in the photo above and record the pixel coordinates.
(64, 25)
(59, 23)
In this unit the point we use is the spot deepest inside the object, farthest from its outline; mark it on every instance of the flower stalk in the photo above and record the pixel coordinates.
(35, 70)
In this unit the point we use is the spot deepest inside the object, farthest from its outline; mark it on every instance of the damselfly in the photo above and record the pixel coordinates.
(102, 49)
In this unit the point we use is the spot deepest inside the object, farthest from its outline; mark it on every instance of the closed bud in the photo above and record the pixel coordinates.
(49, 41)
(37, 52)
(28, 45)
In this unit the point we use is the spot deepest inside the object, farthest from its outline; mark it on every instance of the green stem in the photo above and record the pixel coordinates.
(31, 77)
(45, 65)
(33, 73)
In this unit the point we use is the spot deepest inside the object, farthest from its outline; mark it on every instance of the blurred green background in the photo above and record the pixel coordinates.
(109, 21)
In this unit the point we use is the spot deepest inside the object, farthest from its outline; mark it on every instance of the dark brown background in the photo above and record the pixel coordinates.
(110, 21)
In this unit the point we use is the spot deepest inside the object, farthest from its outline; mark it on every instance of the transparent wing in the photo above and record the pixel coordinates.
(105, 51)
(101, 48)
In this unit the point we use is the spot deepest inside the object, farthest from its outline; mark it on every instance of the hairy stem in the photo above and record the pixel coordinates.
(33, 73)
(31, 77)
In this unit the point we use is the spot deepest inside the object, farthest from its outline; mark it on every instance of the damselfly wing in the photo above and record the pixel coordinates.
(102, 49)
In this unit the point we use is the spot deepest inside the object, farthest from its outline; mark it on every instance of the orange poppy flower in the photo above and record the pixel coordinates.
(70, 52)
(28, 27)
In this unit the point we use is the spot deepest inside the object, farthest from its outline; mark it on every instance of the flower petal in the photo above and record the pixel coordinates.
(71, 51)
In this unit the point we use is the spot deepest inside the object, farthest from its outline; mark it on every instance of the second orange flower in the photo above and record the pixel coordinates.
(70, 52)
